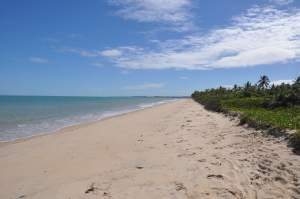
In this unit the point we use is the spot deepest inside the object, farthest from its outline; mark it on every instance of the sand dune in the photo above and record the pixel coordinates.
(176, 150)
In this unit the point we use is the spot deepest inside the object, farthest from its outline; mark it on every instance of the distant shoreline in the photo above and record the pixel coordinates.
(82, 124)
(17, 95)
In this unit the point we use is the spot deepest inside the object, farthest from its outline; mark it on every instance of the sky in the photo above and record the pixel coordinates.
(145, 47)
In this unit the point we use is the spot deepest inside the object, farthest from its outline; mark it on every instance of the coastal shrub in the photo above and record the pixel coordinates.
(261, 106)
(213, 105)
(254, 122)
(281, 118)
(244, 119)
(252, 102)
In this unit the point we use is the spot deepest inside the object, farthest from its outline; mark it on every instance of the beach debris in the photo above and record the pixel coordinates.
(139, 167)
(22, 196)
(91, 188)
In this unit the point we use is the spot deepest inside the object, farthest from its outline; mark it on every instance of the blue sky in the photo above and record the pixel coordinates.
(144, 47)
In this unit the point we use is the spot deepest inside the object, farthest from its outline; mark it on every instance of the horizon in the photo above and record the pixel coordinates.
(135, 48)
(228, 87)
(161, 96)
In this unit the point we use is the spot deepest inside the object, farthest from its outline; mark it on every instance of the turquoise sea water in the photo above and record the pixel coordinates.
(25, 116)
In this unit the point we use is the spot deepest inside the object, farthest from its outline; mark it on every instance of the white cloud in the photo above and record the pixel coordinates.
(145, 86)
(171, 12)
(38, 60)
(81, 52)
(282, 2)
(279, 82)
(262, 35)
(111, 53)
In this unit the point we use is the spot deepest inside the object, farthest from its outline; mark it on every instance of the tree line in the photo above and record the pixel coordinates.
(274, 95)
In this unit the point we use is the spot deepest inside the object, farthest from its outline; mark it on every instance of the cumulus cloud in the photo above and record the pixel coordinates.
(262, 35)
(145, 86)
(171, 12)
(38, 60)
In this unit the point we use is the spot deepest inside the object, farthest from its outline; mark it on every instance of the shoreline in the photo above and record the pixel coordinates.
(83, 124)
(173, 150)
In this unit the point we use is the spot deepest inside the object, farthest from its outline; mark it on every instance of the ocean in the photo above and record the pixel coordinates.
(27, 116)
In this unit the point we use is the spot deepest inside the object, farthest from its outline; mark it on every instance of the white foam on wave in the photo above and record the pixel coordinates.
(148, 105)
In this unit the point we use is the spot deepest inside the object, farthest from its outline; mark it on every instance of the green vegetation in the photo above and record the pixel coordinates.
(260, 106)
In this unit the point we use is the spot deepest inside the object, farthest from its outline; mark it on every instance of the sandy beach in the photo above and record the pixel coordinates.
(176, 150)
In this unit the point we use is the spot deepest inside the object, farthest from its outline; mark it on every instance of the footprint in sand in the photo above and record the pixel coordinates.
(180, 140)
(103, 188)
(216, 163)
(228, 193)
(280, 179)
(91, 188)
(210, 176)
(186, 154)
(140, 139)
(179, 186)
(218, 148)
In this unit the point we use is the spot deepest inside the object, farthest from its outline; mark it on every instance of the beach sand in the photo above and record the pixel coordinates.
(176, 150)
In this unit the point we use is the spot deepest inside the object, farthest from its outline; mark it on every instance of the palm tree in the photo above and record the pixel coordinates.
(297, 81)
(247, 90)
(248, 85)
(263, 82)
(235, 87)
